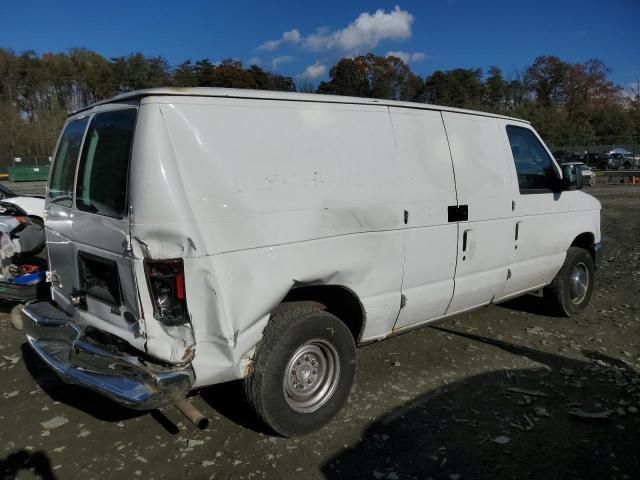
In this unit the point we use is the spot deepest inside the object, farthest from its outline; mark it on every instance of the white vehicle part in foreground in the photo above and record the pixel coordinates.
(33, 206)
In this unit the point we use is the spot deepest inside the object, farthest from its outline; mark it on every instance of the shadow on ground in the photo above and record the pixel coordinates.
(225, 398)
(529, 304)
(37, 463)
(566, 419)
(228, 400)
(6, 306)
(83, 399)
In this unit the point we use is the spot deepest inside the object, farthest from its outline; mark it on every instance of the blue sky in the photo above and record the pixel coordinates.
(304, 39)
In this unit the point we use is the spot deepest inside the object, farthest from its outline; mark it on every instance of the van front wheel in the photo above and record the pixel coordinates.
(305, 367)
(571, 289)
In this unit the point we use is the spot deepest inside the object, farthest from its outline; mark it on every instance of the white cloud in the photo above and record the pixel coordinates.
(313, 72)
(364, 33)
(407, 57)
(254, 61)
(361, 36)
(292, 36)
(276, 62)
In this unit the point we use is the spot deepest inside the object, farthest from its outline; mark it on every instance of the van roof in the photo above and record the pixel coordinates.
(276, 95)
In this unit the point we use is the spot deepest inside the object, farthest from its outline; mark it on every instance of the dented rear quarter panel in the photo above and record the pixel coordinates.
(257, 197)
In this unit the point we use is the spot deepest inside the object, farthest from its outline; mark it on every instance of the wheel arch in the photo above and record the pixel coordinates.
(585, 240)
(37, 220)
(338, 300)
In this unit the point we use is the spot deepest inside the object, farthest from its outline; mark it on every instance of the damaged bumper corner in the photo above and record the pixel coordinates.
(94, 360)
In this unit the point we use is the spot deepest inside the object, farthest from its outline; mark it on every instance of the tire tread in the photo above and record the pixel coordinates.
(555, 292)
(262, 391)
(279, 322)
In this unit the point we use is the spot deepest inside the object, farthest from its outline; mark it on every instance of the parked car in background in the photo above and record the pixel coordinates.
(566, 156)
(621, 150)
(31, 205)
(603, 161)
(587, 174)
(625, 160)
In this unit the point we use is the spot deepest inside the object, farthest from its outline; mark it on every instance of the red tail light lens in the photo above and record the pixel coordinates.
(180, 285)
(166, 286)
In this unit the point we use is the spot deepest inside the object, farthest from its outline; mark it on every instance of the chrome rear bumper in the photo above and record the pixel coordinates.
(92, 360)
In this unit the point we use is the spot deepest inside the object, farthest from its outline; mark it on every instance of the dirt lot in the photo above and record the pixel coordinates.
(504, 392)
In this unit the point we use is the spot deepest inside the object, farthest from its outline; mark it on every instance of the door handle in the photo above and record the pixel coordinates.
(464, 240)
(517, 231)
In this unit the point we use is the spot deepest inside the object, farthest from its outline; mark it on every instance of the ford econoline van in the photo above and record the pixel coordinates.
(198, 236)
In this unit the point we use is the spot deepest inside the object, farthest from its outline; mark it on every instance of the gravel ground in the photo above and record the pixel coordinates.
(508, 391)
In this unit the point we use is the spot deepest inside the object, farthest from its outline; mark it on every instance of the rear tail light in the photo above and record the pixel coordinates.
(166, 286)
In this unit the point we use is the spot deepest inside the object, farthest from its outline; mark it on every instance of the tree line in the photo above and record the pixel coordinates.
(566, 102)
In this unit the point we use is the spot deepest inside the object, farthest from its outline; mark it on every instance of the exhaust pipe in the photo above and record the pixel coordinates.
(194, 415)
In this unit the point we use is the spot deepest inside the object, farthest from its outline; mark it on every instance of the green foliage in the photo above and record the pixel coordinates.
(36, 92)
(567, 103)
(461, 87)
(496, 90)
(374, 77)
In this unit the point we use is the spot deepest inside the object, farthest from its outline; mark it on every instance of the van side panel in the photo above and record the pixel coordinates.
(484, 185)
(257, 173)
(430, 239)
(259, 197)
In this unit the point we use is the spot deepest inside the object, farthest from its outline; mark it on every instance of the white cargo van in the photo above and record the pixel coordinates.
(198, 236)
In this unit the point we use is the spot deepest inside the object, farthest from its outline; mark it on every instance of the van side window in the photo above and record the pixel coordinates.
(64, 165)
(533, 164)
(104, 164)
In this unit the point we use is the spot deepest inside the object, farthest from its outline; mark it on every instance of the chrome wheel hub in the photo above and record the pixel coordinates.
(311, 376)
(579, 283)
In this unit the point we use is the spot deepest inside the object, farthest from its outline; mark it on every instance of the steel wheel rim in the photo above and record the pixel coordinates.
(311, 376)
(579, 283)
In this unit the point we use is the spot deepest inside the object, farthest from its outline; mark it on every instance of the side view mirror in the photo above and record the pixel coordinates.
(572, 177)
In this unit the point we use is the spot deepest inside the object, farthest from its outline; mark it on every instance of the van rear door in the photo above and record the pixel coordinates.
(59, 211)
(88, 226)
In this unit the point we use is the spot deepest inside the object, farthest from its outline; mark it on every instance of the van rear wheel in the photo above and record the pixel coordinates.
(305, 367)
(571, 289)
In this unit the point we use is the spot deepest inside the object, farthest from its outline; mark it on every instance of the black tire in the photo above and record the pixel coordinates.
(627, 165)
(604, 166)
(291, 328)
(560, 293)
(37, 220)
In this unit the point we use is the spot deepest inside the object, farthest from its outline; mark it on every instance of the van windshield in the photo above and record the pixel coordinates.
(104, 163)
(64, 165)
